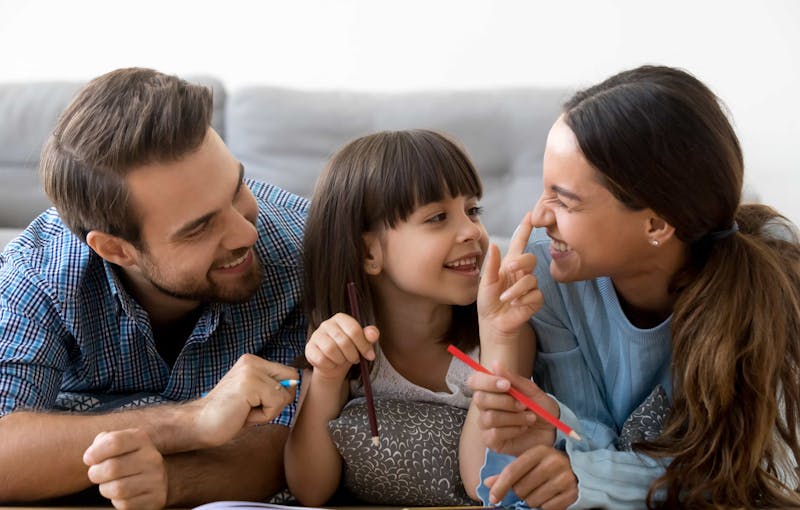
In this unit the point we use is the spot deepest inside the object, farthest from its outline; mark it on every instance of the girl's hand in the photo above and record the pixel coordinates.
(542, 476)
(506, 425)
(337, 344)
(508, 293)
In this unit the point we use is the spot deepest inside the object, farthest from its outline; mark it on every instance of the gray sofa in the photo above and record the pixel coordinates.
(285, 136)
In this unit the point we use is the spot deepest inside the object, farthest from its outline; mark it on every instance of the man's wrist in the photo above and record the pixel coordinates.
(176, 429)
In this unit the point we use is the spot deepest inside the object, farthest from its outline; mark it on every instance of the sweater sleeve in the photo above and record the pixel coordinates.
(607, 478)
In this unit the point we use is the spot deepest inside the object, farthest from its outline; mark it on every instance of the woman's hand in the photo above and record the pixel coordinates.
(508, 293)
(542, 476)
(336, 345)
(506, 425)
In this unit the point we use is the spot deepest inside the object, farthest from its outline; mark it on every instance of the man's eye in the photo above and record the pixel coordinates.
(196, 232)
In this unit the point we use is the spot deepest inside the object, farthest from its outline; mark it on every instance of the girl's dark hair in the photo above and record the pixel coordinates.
(661, 140)
(118, 121)
(377, 181)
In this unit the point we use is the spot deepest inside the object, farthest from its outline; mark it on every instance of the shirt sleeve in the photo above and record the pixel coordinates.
(607, 478)
(288, 343)
(31, 364)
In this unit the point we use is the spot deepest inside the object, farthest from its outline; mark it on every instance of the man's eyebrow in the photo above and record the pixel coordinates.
(568, 194)
(192, 225)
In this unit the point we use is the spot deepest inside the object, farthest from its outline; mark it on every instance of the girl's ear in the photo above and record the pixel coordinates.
(658, 231)
(112, 248)
(373, 262)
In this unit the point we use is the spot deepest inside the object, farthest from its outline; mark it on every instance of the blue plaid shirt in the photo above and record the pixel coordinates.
(68, 325)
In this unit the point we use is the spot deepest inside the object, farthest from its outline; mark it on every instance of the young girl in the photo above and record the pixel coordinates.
(670, 330)
(397, 213)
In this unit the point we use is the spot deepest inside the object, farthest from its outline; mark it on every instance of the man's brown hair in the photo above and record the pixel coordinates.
(119, 121)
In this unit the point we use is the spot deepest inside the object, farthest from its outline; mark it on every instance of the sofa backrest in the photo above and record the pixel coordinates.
(28, 114)
(286, 136)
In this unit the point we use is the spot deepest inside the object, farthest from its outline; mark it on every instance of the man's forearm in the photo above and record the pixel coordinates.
(250, 467)
(41, 453)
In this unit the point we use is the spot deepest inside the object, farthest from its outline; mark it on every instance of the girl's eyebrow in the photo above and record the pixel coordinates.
(568, 194)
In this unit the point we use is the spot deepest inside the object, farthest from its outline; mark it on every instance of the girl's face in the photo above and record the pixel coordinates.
(435, 254)
(593, 234)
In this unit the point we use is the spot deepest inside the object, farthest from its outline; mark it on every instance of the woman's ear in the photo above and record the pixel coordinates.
(112, 248)
(373, 261)
(658, 231)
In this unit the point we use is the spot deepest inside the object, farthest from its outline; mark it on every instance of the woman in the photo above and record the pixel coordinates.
(670, 330)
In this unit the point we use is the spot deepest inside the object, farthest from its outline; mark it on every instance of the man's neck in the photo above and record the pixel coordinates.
(163, 309)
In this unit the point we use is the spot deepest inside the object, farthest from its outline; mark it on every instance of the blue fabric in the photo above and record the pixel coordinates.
(607, 478)
(68, 325)
(600, 368)
(492, 465)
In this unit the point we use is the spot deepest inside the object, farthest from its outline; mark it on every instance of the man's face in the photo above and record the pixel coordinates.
(198, 227)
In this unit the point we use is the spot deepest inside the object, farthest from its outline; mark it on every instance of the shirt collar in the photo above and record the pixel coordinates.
(209, 320)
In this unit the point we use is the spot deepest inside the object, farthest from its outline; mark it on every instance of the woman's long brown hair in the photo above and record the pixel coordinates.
(662, 140)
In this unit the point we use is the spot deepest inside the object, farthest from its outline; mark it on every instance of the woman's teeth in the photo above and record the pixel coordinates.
(558, 245)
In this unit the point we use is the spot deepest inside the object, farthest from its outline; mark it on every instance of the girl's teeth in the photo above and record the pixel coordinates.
(463, 262)
(559, 246)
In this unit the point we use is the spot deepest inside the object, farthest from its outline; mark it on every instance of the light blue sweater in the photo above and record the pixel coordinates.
(600, 368)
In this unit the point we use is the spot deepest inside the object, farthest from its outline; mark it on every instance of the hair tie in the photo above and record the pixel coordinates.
(718, 235)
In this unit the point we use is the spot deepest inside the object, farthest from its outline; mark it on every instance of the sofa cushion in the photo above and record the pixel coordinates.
(286, 136)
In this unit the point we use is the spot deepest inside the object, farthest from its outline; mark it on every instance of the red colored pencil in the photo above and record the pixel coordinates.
(530, 404)
(364, 368)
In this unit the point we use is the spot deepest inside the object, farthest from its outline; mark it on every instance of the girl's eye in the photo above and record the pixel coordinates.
(438, 218)
(475, 211)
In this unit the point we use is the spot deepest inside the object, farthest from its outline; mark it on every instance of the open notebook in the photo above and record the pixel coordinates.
(244, 505)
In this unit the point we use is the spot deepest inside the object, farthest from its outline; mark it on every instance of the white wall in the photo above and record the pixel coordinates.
(747, 51)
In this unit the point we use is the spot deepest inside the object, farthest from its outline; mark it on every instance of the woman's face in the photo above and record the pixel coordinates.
(593, 234)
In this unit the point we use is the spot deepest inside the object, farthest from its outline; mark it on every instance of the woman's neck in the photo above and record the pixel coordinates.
(644, 294)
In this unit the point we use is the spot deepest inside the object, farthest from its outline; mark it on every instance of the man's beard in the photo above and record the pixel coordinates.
(211, 292)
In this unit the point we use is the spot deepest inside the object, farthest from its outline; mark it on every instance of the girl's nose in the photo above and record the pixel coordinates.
(470, 229)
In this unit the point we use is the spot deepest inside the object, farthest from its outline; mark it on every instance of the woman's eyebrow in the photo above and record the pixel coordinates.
(568, 194)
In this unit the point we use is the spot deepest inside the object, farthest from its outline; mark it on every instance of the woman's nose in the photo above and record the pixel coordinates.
(542, 215)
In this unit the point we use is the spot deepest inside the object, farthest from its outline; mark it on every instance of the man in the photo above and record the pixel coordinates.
(163, 276)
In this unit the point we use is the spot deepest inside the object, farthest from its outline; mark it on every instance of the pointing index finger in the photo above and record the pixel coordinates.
(521, 235)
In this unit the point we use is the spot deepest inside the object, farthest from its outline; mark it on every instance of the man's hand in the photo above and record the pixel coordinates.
(249, 394)
(128, 468)
(506, 425)
(542, 476)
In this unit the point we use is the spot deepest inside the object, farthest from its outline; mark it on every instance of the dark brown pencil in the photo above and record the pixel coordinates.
(373, 419)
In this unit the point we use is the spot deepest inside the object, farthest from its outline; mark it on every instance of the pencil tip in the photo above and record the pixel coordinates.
(574, 435)
(375, 441)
